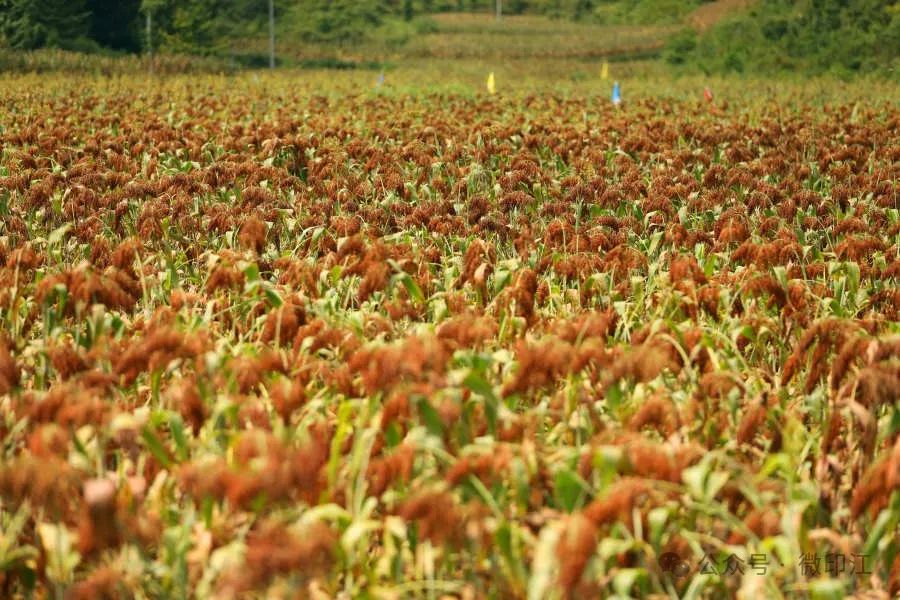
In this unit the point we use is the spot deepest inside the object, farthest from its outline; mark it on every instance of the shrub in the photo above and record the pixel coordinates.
(680, 47)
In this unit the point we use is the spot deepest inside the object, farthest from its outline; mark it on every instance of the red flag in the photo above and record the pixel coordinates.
(707, 94)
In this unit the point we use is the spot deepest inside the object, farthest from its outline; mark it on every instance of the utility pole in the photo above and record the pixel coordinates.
(148, 6)
(271, 34)
(499, 9)
(150, 40)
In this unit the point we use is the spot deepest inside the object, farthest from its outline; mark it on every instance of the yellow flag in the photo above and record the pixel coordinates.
(604, 70)
(490, 83)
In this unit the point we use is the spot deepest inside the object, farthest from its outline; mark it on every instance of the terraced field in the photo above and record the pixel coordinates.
(473, 36)
(262, 337)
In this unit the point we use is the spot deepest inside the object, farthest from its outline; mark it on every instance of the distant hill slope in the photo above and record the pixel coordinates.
(705, 16)
(480, 36)
(809, 36)
(460, 35)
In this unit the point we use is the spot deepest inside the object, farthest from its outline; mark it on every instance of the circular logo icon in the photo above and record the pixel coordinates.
(672, 564)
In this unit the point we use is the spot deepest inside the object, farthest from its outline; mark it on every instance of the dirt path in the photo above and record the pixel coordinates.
(708, 15)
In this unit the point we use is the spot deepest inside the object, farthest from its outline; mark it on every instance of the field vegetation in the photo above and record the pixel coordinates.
(359, 327)
(293, 335)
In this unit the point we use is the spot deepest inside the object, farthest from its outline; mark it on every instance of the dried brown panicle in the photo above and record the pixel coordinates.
(9, 370)
(436, 514)
(577, 543)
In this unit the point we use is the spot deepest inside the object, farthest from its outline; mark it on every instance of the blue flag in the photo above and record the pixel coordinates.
(616, 94)
(380, 81)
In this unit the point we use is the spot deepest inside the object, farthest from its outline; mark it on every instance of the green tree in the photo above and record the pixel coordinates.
(337, 21)
(115, 23)
(202, 26)
(28, 24)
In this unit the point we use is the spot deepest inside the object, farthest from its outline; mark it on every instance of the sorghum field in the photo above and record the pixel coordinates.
(277, 337)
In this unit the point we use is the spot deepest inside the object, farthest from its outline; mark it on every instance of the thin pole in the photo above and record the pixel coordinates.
(150, 40)
(271, 34)
(499, 9)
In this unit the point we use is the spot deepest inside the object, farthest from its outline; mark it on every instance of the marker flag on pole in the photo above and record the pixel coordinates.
(707, 94)
(380, 81)
(616, 94)
(604, 70)
(491, 87)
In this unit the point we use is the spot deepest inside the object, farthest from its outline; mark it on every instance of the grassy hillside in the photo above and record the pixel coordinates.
(761, 36)
(456, 35)
(810, 36)
(473, 36)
